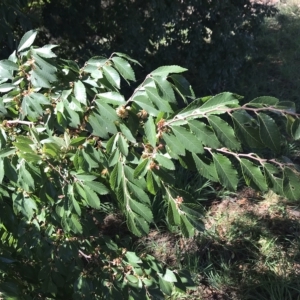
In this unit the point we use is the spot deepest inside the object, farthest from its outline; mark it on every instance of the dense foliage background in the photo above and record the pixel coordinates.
(210, 38)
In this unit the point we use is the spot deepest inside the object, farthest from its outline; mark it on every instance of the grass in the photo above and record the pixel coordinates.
(251, 246)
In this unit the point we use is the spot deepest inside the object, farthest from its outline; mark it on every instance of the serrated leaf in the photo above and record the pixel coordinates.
(39, 79)
(107, 111)
(122, 145)
(165, 88)
(142, 210)
(224, 133)
(175, 146)
(112, 76)
(141, 169)
(32, 105)
(269, 132)
(132, 226)
(127, 133)
(150, 131)
(145, 103)
(226, 173)
(112, 98)
(246, 129)
(27, 40)
(173, 214)
(151, 183)
(164, 161)
(75, 224)
(205, 168)
(91, 197)
(187, 139)
(45, 51)
(219, 101)
(142, 225)
(291, 184)
(186, 227)
(182, 85)
(196, 223)
(160, 103)
(166, 70)
(138, 193)
(98, 125)
(80, 92)
(124, 68)
(263, 101)
(113, 179)
(97, 187)
(253, 175)
(127, 57)
(204, 134)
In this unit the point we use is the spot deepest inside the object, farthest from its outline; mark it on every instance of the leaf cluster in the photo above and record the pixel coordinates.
(70, 142)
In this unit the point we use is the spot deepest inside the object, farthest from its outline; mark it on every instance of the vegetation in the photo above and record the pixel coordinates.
(201, 36)
(73, 148)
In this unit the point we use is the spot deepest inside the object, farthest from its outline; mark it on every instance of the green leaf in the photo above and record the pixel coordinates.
(27, 40)
(142, 168)
(165, 286)
(124, 68)
(169, 276)
(97, 187)
(263, 101)
(75, 224)
(164, 161)
(112, 98)
(91, 197)
(138, 193)
(122, 145)
(142, 210)
(226, 173)
(173, 214)
(8, 65)
(224, 132)
(32, 105)
(219, 101)
(205, 167)
(246, 129)
(1, 170)
(112, 76)
(78, 141)
(253, 175)
(165, 88)
(274, 182)
(160, 103)
(145, 103)
(204, 134)
(166, 70)
(296, 129)
(132, 226)
(6, 87)
(291, 184)
(182, 85)
(151, 183)
(80, 92)
(133, 258)
(127, 133)
(150, 131)
(269, 132)
(107, 111)
(99, 125)
(113, 180)
(186, 227)
(187, 139)
(174, 145)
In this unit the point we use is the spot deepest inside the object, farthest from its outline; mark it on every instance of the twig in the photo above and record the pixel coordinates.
(87, 257)
(20, 122)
